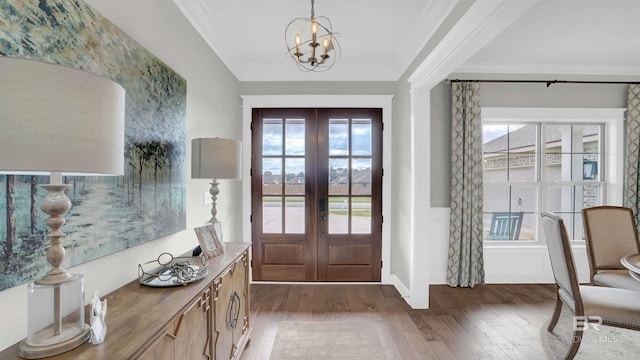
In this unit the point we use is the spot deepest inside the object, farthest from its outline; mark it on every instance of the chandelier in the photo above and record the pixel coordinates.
(314, 46)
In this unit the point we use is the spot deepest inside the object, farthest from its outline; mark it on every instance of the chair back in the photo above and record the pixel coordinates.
(562, 264)
(611, 234)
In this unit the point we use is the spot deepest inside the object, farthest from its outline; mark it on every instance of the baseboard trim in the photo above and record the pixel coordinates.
(399, 285)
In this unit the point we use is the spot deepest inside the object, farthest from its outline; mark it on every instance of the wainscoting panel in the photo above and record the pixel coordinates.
(503, 264)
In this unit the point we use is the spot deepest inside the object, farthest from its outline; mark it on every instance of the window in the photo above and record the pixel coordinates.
(537, 160)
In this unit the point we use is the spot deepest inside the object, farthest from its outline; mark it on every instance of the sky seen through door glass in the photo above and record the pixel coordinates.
(274, 132)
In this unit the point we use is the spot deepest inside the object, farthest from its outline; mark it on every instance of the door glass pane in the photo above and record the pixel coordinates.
(361, 177)
(338, 215)
(294, 176)
(338, 176)
(271, 176)
(361, 215)
(272, 215)
(361, 137)
(294, 219)
(272, 137)
(338, 137)
(295, 139)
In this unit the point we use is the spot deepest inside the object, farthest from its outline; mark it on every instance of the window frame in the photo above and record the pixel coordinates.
(612, 155)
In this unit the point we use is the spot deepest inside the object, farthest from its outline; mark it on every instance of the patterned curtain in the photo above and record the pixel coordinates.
(632, 175)
(466, 263)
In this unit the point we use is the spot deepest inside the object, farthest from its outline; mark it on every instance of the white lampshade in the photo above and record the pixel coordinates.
(216, 158)
(58, 119)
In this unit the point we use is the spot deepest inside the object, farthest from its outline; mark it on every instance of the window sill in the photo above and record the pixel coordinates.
(504, 245)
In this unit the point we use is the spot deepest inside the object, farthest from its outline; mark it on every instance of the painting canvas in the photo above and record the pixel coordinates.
(108, 214)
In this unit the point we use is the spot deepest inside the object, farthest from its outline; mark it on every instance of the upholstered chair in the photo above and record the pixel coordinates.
(611, 234)
(616, 307)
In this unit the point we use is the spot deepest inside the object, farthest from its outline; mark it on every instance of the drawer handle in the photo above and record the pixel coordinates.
(234, 311)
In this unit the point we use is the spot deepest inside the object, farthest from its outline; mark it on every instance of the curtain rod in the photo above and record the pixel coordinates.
(548, 82)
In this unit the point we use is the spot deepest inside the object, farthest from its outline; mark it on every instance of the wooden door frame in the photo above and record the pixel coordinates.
(325, 101)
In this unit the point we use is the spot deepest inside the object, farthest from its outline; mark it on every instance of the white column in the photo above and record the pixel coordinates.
(421, 199)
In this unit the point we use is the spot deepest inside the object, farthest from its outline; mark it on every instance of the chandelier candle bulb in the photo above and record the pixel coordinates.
(325, 46)
(314, 33)
(297, 41)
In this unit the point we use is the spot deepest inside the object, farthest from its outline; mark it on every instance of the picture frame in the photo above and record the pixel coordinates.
(210, 243)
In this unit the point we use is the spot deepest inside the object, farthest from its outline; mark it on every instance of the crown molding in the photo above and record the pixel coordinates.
(430, 20)
(197, 13)
(480, 24)
(548, 69)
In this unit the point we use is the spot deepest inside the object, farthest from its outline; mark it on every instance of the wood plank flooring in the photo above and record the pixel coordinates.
(486, 322)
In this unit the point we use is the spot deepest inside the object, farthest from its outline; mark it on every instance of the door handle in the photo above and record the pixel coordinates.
(323, 204)
(232, 319)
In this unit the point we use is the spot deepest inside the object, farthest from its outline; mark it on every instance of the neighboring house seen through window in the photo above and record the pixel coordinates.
(542, 163)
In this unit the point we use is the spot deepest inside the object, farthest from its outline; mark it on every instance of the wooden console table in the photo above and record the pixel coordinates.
(206, 319)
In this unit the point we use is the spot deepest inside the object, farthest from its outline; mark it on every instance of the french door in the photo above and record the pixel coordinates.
(316, 194)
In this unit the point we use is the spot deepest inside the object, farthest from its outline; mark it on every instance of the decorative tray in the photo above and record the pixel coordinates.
(168, 270)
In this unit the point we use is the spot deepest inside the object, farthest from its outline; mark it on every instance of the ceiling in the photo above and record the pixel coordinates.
(380, 38)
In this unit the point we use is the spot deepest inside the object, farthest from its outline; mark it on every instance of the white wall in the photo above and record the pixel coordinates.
(213, 109)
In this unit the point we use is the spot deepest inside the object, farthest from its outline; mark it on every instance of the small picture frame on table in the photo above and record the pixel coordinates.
(210, 243)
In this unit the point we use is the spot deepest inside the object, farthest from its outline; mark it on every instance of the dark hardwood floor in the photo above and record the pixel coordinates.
(486, 322)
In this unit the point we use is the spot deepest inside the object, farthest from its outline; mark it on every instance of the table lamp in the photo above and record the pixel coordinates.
(216, 158)
(57, 121)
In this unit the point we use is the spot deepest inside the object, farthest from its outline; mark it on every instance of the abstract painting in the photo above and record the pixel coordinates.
(108, 214)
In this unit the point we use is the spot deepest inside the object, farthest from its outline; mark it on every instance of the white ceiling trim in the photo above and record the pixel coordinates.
(429, 17)
(433, 15)
(197, 12)
(480, 24)
(542, 69)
